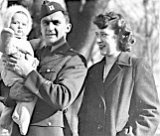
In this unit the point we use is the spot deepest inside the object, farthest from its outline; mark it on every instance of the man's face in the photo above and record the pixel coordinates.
(19, 24)
(107, 42)
(54, 27)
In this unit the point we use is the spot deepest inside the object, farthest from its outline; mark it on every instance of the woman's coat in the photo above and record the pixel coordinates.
(128, 97)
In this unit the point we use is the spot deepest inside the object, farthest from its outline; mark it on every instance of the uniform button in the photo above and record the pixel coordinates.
(48, 70)
(49, 123)
(99, 127)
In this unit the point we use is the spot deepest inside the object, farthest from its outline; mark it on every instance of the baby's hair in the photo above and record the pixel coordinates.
(117, 23)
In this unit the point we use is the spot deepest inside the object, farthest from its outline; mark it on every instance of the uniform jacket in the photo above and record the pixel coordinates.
(128, 97)
(57, 84)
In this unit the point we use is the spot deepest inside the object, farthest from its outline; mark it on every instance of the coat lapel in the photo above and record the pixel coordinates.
(122, 60)
(112, 74)
(99, 77)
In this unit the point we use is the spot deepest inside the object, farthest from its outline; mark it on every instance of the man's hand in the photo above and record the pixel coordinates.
(126, 132)
(22, 66)
(20, 94)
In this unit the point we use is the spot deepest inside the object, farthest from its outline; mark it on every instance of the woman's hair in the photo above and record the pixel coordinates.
(117, 23)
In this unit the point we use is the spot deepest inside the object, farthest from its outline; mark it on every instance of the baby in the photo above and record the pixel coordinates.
(17, 25)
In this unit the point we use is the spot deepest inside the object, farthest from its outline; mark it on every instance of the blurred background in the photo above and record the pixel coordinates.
(143, 15)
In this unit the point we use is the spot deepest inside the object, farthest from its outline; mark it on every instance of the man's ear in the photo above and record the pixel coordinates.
(68, 28)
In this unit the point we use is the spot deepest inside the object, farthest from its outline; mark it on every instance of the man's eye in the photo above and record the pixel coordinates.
(97, 34)
(55, 22)
(45, 23)
(104, 35)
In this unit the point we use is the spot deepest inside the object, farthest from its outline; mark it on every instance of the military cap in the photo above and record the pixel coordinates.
(49, 8)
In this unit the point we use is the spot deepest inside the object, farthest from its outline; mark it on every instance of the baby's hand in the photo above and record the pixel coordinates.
(6, 35)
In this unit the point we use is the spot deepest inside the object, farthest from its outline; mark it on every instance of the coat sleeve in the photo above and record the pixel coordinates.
(144, 110)
(64, 90)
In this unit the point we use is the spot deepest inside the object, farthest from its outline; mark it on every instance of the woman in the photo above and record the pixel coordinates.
(120, 97)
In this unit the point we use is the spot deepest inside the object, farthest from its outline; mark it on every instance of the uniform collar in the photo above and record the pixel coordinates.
(62, 46)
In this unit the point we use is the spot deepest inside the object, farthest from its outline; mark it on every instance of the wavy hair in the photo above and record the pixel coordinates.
(120, 26)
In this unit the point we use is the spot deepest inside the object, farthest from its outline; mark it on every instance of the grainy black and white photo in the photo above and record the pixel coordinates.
(79, 68)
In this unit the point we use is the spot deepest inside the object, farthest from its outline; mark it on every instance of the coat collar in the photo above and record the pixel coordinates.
(124, 59)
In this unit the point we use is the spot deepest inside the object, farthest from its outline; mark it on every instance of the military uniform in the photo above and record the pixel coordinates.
(58, 83)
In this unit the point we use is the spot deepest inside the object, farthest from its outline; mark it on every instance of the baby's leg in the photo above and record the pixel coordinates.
(22, 115)
(6, 122)
(23, 110)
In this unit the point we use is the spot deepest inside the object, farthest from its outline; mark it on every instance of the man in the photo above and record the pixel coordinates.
(58, 80)
(120, 97)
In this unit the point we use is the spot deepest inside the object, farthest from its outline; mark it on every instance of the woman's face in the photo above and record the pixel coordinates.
(107, 42)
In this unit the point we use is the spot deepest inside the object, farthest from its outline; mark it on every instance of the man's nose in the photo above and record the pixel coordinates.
(98, 39)
(51, 26)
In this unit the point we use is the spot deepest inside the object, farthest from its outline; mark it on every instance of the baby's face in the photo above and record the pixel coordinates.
(19, 24)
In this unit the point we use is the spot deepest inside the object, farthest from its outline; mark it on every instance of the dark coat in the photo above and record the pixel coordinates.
(128, 97)
(57, 84)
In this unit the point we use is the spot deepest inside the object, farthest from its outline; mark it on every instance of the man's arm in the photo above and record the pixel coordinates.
(64, 90)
